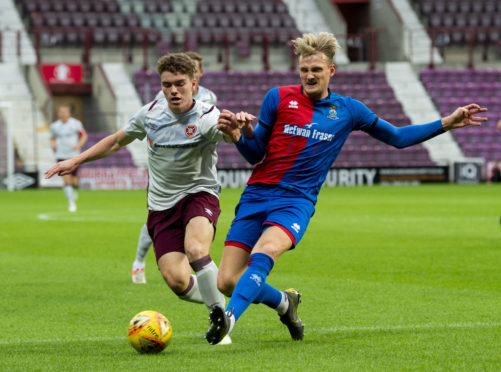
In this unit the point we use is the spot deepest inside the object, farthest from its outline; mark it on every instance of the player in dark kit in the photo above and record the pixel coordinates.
(301, 130)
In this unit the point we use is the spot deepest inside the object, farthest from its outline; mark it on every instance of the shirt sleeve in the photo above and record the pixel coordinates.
(53, 133)
(363, 117)
(409, 135)
(253, 149)
(268, 114)
(135, 126)
(213, 98)
(79, 126)
(208, 125)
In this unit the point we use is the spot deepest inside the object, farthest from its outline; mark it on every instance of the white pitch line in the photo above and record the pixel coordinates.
(421, 219)
(409, 327)
(333, 330)
(100, 218)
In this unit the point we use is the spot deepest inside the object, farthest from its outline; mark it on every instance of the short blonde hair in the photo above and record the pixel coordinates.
(310, 44)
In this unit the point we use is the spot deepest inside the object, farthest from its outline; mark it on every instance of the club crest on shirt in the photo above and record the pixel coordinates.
(332, 113)
(190, 130)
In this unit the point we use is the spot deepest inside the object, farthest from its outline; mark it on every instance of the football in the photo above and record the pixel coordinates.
(149, 332)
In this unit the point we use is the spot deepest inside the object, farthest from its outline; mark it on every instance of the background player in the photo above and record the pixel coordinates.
(183, 190)
(301, 130)
(144, 242)
(67, 138)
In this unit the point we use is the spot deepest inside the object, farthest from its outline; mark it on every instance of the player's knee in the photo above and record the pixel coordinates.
(195, 252)
(225, 283)
(176, 282)
(177, 286)
(269, 249)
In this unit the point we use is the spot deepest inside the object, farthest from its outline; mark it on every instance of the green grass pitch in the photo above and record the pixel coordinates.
(393, 279)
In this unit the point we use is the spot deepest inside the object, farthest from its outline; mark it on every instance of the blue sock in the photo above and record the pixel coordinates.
(251, 284)
(269, 296)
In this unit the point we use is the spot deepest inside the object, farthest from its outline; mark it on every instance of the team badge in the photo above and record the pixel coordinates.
(332, 113)
(190, 130)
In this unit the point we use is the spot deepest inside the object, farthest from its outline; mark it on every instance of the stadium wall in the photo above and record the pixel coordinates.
(391, 30)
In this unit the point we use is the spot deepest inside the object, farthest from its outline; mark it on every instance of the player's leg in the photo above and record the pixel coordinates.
(143, 246)
(198, 239)
(176, 271)
(252, 286)
(232, 266)
(168, 238)
(245, 230)
(75, 185)
(197, 242)
(69, 193)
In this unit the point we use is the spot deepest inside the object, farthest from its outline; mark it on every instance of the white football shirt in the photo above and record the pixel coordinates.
(67, 136)
(181, 151)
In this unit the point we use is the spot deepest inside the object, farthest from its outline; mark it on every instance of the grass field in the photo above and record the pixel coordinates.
(393, 279)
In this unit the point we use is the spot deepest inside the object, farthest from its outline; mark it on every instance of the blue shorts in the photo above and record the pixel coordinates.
(263, 206)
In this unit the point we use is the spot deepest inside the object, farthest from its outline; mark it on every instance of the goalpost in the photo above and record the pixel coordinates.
(6, 109)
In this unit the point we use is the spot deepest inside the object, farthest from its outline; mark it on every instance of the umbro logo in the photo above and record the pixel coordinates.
(310, 125)
(293, 104)
(208, 211)
(257, 279)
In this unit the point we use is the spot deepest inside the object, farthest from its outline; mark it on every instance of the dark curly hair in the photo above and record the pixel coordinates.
(176, 62)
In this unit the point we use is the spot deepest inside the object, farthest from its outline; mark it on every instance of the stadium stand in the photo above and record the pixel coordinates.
(118, 21)
(122, 158)
(450, 88)
(461, 17)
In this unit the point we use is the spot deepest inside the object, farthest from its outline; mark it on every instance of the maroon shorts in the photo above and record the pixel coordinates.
(167, 228)
(74, 173)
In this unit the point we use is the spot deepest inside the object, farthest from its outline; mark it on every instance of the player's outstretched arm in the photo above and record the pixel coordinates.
(102, 149)
(464, 116)
(401, 137)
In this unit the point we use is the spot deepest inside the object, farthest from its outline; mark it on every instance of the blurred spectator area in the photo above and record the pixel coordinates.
(190, 21)
(462, 16)
(450, 88)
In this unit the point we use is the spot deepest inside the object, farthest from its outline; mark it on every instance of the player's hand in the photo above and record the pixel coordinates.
(62, 168)
(228, 124)
(244, 119)
(227, 119)
(464, 116)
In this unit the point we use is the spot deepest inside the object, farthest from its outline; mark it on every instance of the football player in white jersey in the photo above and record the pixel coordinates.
(144, 242)
(67, 138)
(200, 93)
(183, 190)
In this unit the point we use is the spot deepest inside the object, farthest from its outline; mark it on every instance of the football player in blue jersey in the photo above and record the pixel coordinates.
(301, 130)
